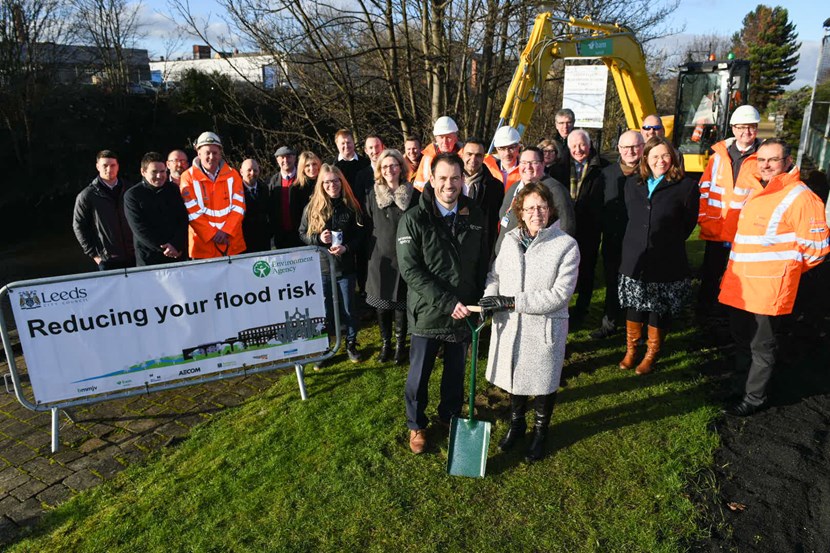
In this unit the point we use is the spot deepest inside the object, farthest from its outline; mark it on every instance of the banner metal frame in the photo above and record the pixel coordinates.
(55, 407)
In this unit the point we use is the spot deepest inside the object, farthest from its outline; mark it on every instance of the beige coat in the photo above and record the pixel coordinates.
(527, 347)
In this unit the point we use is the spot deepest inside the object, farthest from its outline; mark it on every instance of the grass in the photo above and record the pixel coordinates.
(334, 473)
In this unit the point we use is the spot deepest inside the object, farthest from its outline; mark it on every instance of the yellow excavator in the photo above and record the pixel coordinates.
(707, 92)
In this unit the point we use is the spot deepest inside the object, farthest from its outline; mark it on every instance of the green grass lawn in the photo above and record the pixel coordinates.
(334, 473)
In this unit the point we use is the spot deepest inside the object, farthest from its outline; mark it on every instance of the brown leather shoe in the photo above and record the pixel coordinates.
(418, 440)
(655, 340)
(633, 333)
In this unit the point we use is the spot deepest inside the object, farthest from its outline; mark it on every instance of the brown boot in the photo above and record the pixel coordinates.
(633, 333)
(653, 345)
(418, 441)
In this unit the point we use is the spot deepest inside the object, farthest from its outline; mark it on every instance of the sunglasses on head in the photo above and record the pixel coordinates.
(652, 127)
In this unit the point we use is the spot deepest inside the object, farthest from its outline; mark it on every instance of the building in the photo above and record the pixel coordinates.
(258, 69)
(73, 64)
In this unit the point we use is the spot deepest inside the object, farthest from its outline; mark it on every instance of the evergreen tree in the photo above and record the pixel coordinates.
(769, 41)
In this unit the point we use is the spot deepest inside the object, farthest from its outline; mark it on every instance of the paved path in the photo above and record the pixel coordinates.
(105, 438)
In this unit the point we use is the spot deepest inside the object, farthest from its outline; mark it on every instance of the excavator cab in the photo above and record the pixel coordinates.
(707, 94)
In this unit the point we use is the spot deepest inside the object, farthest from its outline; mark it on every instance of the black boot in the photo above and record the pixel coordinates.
(544, 408)
(385, 323)
(400, 338)
(518, 425)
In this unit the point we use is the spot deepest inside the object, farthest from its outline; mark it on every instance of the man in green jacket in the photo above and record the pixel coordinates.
(442, 256)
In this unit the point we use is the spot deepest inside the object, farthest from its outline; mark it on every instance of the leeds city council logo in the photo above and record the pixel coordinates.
(261, 269)
(29, 300)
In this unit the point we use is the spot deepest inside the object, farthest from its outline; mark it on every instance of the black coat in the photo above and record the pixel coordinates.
(363, 182)
(351, 168)
(346, 221)
(489, 199)
(560, 170)
(441, 268)
(298, 197)
(654, 246)
(384, 279)
(256, 226)
(100, 224)
(614, 213)
(588, 202)
(157, 216)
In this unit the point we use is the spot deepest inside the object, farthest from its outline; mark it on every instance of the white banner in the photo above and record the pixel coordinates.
(109, 333)
(584, 93)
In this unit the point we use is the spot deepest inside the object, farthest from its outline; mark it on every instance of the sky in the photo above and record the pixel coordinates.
(692, 17)
(701, 17)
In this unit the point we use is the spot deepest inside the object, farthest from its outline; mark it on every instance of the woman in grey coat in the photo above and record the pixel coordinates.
(528, 289)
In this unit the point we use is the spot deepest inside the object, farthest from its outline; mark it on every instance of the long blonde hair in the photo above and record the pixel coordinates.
(320, 208)
(305, 157)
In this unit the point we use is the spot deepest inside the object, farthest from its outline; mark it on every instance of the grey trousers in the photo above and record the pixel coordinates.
(755, 351)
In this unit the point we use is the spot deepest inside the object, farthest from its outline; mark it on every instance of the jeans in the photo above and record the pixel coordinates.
(345, 289)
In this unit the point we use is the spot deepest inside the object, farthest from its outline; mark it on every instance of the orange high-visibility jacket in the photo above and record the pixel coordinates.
(782, 232)
(425, 167)
(211, 206)
(721, 199)
(513, 176)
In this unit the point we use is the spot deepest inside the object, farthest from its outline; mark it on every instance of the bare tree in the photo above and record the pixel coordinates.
(25, 62)
(394, 66)
(111, 27)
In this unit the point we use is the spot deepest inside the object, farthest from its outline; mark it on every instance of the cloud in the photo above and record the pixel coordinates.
(163, 35)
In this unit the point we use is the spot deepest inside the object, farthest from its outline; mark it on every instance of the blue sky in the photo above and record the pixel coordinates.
(726, 17)
(693, 17)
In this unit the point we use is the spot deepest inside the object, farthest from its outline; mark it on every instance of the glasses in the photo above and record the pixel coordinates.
(533, 162)
(745, 128)
(330, 182)
(770, 159)
(663, 157)
(632, 148)
(536, 208)
(508, 148)
(549, 150)
(389, 167)
(652, 127)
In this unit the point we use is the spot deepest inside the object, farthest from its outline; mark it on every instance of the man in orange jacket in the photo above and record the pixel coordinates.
(729, 177)
(445, 140)
(215, 202)
(507, 142)
(782, 232)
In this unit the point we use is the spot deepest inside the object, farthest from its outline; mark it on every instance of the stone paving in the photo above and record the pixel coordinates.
(104, 439)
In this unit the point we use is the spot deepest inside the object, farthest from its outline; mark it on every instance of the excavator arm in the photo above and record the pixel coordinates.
(615, 45)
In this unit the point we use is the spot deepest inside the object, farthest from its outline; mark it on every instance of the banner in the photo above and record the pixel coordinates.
(109, 333)
(584, 92)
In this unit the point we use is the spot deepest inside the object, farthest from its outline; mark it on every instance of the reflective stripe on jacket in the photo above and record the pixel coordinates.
(211, 206)
(721, 198)
(782, 232)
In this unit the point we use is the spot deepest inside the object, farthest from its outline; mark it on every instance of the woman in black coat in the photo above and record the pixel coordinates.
(391, 195)
(662, 206)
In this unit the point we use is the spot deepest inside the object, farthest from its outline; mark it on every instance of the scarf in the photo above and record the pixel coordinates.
(401, 196)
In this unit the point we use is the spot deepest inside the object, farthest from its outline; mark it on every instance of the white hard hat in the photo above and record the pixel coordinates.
(506, 136)
(207, 138)
(444, 125)
(745, 115)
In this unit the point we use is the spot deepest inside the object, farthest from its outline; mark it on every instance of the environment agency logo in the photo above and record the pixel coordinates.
(262, 269)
